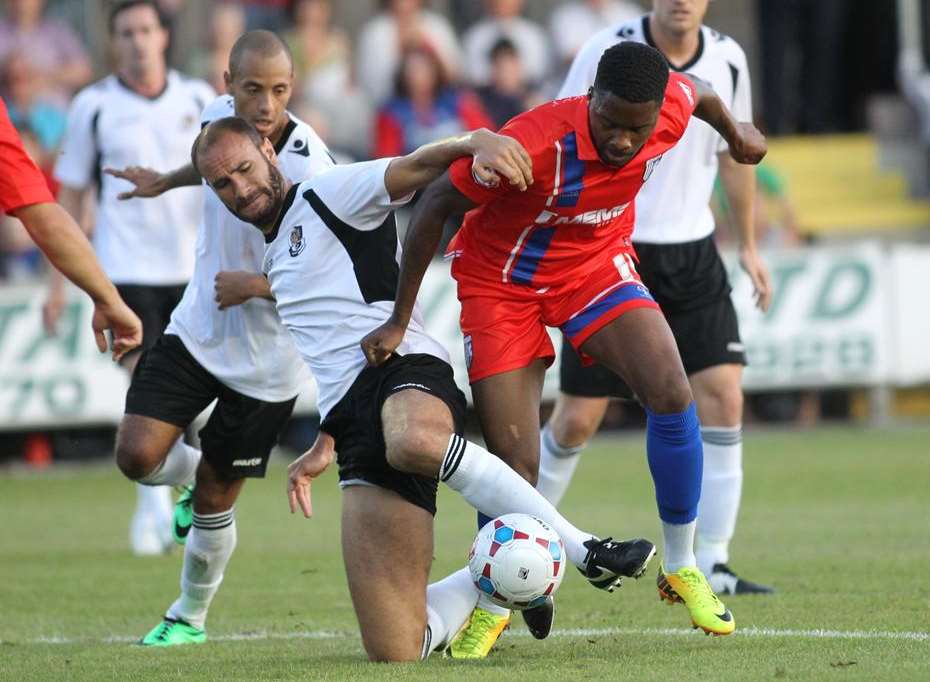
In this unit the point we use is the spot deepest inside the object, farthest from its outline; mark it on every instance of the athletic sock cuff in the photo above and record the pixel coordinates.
(557, 449)
(214, 521)
(722, 435)
(453, 457)
(678, 426)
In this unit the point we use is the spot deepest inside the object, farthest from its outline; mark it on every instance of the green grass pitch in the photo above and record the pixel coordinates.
(837, 519)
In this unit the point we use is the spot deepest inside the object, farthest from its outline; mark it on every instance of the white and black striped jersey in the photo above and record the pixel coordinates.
(674, 206)
(332, 261)
(244, 346)
(151, 241)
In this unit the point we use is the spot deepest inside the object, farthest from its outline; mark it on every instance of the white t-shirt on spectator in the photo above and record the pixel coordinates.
(378, 56)
(150, 241)
(530, 39)
(244, 346)
(674, 206)
(572, 23)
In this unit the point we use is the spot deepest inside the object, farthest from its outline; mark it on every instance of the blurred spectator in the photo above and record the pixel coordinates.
(60, 62)
(504, 21)
(227, 23)
(508, 94)
(776, 222)
(29, 109)
(325, 94)
(425, 107)
(572, 23)
(402, 24)
(266, 14)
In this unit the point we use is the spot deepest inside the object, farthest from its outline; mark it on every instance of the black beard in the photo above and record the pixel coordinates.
(273, 192)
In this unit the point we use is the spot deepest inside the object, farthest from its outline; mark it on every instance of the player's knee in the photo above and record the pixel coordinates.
(135, 458)
(669, 393)
(418, 447)
(724, 402)
(573, 426)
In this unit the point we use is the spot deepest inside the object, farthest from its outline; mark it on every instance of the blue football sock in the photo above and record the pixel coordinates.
(676, 460)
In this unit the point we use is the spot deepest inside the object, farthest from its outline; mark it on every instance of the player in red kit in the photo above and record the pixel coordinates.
(560, 255)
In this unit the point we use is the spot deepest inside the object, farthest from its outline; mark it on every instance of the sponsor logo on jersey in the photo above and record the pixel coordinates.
(297, 241)
(251, 462)
(595, 217)
(651, 166)
(688, 92)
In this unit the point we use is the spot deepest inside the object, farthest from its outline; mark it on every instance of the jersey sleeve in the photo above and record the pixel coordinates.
(79, 148)
(356, 193)
(680, 102)
(321, 159)
(525, 130)
(21, 181)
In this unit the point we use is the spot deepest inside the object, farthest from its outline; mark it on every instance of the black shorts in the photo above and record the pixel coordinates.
(355, 423)
(170, 385)
(153, 305)
(689, 282)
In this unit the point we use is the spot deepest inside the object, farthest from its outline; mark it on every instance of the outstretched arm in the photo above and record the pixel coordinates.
(747, 144)
(150, 183)
(495, 156)
(440, 200)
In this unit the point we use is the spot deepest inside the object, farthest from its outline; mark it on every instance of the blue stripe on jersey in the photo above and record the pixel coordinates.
(533, 252)
(572, 172)
(622, 294)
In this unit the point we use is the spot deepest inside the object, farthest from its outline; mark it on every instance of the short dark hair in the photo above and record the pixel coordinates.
(504, 46)
(633, 72)
(265, 43)
(123, 5)
(212, 132)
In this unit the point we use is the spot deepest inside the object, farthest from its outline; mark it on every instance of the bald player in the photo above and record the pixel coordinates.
(224, 342)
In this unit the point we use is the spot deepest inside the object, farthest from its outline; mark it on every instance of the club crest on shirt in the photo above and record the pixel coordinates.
(297, 241)
(651, 166)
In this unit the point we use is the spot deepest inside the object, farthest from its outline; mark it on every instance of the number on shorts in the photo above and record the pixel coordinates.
(626, 267)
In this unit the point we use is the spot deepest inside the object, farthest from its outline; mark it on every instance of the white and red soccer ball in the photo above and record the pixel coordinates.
(517, 560)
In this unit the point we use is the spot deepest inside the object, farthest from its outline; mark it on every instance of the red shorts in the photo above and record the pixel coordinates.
(504, 324)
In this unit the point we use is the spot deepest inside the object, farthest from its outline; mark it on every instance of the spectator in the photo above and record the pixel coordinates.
(29, 109)
(267, 14)
(584, 18)
(227, 23)
(60, 62)
(326, 95)
(402, 24)
(508, 94)
(425, 107)
(504, 21)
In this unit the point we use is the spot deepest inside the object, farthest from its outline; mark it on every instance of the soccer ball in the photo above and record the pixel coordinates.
(517, 560)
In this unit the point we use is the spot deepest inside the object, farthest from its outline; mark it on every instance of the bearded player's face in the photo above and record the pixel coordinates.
(245, 178)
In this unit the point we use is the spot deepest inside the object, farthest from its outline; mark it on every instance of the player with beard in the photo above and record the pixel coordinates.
(331, 261)
(224, 342)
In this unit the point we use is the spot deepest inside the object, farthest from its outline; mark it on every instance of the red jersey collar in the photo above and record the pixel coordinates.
(586, 149)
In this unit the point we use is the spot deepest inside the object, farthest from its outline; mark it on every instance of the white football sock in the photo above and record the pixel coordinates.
(484, 602)
(493, 488)
(153, 501)
(557, 465)
(449, 603)
(720, 494)
(679, 546)
(209, 545)
(178, 467)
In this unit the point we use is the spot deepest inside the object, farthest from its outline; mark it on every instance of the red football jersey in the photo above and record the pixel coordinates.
(578, 210)
(21, 181)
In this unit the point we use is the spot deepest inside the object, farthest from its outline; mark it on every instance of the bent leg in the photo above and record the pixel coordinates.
(388, 586)
(639, 346)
